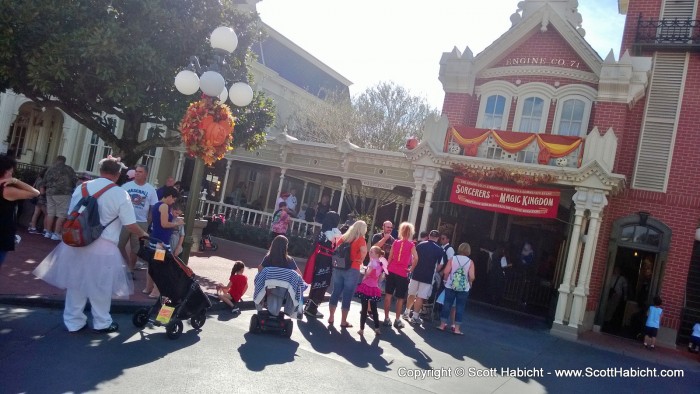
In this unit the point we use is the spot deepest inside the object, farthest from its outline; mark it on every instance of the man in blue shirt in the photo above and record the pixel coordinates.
(421, 286)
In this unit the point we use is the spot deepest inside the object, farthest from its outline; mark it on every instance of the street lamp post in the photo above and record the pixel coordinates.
(211, 83)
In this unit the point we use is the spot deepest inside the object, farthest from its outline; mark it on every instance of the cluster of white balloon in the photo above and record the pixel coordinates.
(211, 82)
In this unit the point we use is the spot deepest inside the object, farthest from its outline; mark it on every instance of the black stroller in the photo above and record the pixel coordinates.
(181, 298)
(213, 223)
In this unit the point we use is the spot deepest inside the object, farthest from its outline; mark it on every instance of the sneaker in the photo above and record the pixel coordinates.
(406, 314)
(236, 311)
(398, 324)
(114, 327)
(47, 234)
(387, 322)
(140, 265)
(416, 320)
(55, 237)
(317, 315)
(33, 230)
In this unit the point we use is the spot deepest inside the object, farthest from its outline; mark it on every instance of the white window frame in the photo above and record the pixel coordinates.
(588, 104)
(493, 88)
(519, 117)
(102, 149)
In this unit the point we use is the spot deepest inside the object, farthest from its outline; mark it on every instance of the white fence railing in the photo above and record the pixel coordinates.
(256, 218)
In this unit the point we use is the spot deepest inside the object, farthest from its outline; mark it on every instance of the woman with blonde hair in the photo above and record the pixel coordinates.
(402, 256)
(345, 280)
(459, 277)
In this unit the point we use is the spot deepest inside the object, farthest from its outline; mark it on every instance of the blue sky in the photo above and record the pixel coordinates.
(369, 41)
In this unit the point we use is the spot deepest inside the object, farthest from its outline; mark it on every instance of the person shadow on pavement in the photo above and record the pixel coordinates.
(262, 350)
(332, 339)
(83, 361)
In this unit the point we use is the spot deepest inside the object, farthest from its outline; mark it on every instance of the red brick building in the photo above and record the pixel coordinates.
(540, 109)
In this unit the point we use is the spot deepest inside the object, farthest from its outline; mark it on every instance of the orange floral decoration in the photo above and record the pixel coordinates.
(501, 174)
(207, 129)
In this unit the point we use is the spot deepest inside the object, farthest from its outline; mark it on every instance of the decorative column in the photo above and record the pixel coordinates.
(595, 204)
(426, 207)
(342, 195)
(303, 194)
(269, 189)
(223, 187)
(396, 214)
(180, 161)
(279, 188)
(403, 208)
(415, 203)
(571, 261)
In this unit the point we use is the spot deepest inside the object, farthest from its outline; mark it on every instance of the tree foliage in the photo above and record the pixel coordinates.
(382, 117)
(98, 58)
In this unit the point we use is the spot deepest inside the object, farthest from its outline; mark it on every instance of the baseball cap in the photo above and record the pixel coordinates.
(434, 234)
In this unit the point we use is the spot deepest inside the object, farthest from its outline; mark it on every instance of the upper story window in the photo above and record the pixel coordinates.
(531, 115)
(572, 116)
(493, 113)
(571, 119)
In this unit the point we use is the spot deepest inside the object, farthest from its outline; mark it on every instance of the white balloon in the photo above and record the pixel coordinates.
(187, 82)
(224, 38)
(241, 94)
(224, 95)
(212, 83)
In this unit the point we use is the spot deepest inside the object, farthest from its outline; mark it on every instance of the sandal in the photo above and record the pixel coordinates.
(330, 322)
(458, 332)
(346, 325)
(144, 291)
(441, 328)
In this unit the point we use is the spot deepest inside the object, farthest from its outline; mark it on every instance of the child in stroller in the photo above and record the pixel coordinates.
(213, 223)
(278, 286)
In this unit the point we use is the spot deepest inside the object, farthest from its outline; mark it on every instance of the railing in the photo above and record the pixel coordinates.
(255, 217)
(673, 34)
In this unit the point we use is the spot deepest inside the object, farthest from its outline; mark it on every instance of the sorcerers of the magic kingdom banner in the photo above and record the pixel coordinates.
(512, 200)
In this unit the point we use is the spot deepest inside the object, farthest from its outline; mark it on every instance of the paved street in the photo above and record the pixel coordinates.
(38, 356)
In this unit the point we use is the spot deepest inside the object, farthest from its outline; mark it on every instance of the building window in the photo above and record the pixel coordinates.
(493, 114)
(531, 118)
(571, 120)
(98, 149)
(148, 158)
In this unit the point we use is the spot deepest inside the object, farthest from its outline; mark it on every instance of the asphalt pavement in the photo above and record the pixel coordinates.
(509, 352)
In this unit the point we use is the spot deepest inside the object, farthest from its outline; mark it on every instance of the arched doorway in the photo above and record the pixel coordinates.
(35, 135)
(637, 258)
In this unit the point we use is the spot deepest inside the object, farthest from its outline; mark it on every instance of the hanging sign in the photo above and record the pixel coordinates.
(512, 200)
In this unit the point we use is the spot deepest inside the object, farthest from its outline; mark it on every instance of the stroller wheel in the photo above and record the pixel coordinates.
(288, 328)
(198, 321)
(174, 329)
(214, 247)
(254, 324)
(140, 318)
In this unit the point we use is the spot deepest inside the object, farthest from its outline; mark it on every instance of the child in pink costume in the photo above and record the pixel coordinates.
(368, 291)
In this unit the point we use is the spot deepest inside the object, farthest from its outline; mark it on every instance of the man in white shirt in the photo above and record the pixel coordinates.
(292, 202)
(95, 272)
(143, 196)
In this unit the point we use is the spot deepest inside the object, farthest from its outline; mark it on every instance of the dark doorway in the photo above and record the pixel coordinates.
(628, 292)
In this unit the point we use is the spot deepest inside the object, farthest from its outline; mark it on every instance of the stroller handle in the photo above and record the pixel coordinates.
(146, 240)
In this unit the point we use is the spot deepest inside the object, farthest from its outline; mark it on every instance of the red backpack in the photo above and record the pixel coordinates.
(83, 225)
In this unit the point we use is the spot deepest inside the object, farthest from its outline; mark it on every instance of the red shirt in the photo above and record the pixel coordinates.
(238, 283)
(401, 257)
(355, 253)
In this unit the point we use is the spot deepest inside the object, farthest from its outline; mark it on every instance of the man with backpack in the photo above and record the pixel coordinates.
(96, 271)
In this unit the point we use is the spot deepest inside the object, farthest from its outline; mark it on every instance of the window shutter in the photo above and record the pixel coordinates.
(659, 127)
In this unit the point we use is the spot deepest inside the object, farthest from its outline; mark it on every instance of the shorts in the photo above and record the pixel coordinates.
(651, 331)
(133, 239)
(57, 205)
(419, 289)
(396, 285)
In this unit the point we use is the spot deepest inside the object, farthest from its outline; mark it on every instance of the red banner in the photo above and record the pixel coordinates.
(542, 203)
